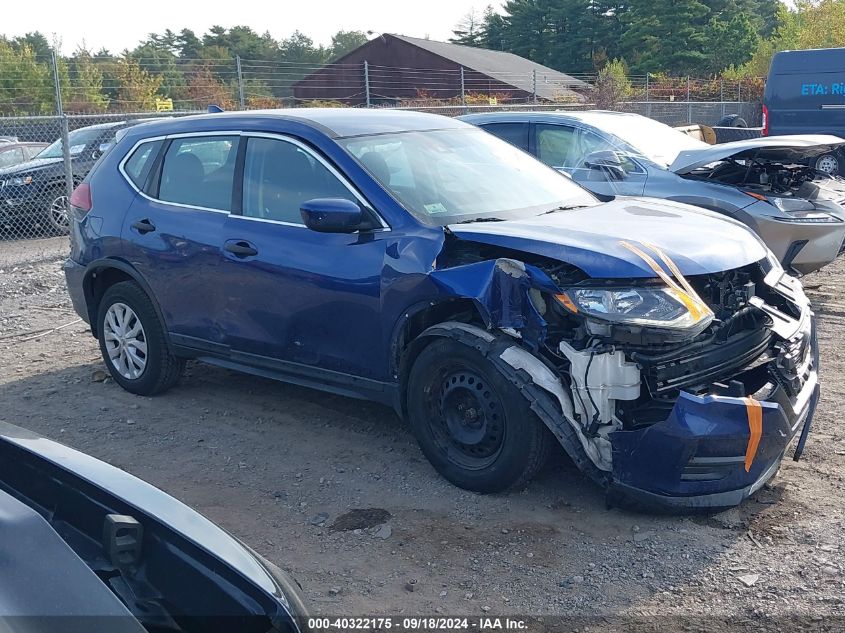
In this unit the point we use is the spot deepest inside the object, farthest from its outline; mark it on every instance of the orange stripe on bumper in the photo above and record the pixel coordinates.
(755, 427)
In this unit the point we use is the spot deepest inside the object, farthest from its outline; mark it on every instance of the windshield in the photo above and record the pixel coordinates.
(448, 176)
(78, 141)
(656, 141)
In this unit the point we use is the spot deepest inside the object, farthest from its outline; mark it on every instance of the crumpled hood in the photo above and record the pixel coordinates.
(795, 148)
(698, 241)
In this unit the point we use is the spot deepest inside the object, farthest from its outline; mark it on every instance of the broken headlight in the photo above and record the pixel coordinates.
(660, 307)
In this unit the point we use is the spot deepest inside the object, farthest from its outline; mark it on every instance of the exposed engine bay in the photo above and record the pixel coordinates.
(773, 177)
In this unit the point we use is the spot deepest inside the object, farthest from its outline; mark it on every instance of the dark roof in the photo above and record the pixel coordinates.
(334, 122)
(505, 67)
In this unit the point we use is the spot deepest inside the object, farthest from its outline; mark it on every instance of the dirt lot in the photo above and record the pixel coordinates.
(276, 465)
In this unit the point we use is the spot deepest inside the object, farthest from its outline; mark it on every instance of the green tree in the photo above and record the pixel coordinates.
(666, 35)
(346, 41)
(36, 42)
(189, 44)
(137, 89)
(470, 30)
(730, 42)
(26, 84)
(85, 93)
(612, 85)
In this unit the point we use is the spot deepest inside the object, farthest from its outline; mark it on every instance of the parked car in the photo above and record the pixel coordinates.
(88, 547)
(417, 261)
(13, 152)
(804, 94)
(33, 193)
(795, 209)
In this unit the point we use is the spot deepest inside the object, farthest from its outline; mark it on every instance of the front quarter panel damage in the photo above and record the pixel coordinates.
(500, 289)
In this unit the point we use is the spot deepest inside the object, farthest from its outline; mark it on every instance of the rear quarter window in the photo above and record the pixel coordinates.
(140, 162)
(513, 133)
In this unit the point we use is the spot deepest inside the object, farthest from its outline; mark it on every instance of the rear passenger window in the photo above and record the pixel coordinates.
(513, 133)
(280, 176)
(138, 166)
(199, 171)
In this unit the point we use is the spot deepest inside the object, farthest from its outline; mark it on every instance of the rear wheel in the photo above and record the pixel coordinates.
(471, 422)
(133, 342)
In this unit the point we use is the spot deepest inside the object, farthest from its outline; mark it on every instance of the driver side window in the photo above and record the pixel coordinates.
(279, 176)
(556, 145)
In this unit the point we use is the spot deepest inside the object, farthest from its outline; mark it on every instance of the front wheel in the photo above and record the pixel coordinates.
(827, 163)
(58, 213)
(472, 423)
(133, 342)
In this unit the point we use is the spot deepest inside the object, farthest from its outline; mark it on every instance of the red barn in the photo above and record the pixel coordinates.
(394, 68)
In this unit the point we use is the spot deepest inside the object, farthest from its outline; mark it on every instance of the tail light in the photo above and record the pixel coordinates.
(81, 198)
(765, 121)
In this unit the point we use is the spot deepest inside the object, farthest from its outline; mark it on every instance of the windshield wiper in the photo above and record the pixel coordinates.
(471, 220)
(565, 208)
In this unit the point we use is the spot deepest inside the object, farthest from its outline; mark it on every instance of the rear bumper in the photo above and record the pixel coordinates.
(703, 456)
(74, 277)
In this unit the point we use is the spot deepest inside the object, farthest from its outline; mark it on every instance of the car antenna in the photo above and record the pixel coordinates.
(215, 109)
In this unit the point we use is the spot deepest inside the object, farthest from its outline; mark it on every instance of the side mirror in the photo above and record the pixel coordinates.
(331, 215)
(607, 162)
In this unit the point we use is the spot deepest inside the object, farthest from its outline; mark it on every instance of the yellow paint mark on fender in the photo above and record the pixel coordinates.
(755, 427)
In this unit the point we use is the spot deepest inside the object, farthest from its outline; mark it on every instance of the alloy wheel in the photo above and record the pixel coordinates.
(58, 213)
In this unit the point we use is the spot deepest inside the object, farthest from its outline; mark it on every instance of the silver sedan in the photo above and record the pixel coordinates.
(765, 182)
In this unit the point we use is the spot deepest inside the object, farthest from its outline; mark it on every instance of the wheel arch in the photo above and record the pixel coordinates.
(100, 275)
(406, 342)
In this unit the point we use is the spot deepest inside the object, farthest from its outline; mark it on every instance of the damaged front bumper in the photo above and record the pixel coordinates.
(707, 453)
(713, 451)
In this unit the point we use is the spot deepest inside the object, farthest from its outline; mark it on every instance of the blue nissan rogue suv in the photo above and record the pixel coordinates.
(420, 262)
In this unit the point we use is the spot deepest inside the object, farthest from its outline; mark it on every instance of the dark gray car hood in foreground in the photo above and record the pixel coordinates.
(797, 148)
(145, 497)
(698, 241)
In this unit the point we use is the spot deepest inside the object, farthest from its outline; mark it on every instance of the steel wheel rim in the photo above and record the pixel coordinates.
(125, 341)
(828, 164)
(467, 419)
(59, 212)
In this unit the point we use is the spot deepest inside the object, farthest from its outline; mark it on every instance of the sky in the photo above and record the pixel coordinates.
(117, 24)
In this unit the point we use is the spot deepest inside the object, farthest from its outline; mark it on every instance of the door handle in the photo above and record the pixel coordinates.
(144, 226)
(241, 249)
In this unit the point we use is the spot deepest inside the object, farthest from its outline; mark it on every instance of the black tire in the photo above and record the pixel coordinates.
(473, 425)
(162, 369)
(828, 163)
(732, 120)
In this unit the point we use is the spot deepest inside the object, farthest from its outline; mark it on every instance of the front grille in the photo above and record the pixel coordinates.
(708, 362)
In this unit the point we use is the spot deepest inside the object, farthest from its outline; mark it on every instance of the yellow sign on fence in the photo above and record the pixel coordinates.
(164, 105)
(493, 101)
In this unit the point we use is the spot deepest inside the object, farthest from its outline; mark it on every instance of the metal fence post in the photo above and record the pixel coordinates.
(647, 96)
(241, 97)
(367, 82)
(689, 103)
(65, 132)
(534, 86)
(722, 95)
(463, 92)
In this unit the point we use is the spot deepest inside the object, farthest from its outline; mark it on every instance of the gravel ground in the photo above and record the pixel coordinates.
(282, 467)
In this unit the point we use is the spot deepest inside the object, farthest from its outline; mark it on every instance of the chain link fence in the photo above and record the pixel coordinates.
(57, 116)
